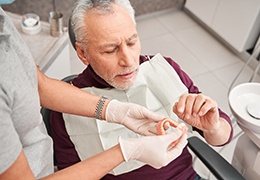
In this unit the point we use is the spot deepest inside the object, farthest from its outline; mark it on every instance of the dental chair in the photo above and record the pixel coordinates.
(47, 112)
(215, 163)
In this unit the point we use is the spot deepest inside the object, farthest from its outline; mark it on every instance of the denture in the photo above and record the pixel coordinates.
(164, 124)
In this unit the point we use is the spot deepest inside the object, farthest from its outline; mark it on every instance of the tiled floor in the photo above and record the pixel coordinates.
(210, 64)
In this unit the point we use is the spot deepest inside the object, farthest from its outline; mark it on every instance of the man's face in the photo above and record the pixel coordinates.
(113, 47)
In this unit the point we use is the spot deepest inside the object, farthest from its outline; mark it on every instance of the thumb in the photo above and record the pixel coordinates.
(152, 115)
(174, 108)
(173, 136)
(177, 149)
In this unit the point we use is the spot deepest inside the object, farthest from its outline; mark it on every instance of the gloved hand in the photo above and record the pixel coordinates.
(135, 117)
(156, 151)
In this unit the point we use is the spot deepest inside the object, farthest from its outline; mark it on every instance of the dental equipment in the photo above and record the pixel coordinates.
(244, 102)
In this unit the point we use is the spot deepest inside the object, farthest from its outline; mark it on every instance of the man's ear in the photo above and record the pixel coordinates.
(81, 53)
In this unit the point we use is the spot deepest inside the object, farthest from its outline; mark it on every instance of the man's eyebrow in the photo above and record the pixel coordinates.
(133, 37)
(112, 45)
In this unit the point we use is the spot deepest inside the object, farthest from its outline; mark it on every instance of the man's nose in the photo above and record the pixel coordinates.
(126, 57)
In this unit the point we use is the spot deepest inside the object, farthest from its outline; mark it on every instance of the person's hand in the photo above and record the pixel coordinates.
(199, 111)
(135, 117)
(156, 151)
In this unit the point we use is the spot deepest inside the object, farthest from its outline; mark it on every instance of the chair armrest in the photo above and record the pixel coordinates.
(219, 167)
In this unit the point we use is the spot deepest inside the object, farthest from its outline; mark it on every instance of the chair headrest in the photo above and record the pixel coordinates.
(71, 34)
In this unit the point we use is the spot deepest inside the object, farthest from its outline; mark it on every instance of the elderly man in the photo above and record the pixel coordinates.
(108, 43)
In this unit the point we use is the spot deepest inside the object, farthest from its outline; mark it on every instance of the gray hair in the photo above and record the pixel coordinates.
(98, 6)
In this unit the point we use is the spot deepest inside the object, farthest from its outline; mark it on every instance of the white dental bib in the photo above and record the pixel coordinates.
(157, 88)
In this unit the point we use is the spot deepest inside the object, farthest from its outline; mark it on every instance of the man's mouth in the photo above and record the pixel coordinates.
(127, 76)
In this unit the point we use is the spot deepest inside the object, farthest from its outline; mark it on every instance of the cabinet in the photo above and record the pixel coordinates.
(235, 21)
(51, 54)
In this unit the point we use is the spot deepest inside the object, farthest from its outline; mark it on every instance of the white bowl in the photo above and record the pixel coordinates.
(244, 102)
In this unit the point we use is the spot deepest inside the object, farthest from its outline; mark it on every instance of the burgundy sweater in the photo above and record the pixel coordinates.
(66, 155)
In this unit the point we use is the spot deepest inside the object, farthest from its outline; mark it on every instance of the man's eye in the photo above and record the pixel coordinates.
(131, 44)
(110, 51)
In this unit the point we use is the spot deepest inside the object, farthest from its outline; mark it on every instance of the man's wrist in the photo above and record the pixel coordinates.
(220, 135)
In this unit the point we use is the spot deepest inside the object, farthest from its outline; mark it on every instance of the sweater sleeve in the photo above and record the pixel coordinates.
(64, 150)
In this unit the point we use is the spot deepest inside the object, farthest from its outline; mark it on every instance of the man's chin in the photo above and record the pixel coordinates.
(123, 88)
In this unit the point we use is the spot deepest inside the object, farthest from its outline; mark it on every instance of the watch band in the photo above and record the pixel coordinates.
(99, 107)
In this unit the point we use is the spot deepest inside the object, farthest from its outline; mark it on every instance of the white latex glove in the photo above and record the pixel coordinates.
(135, 117)
(156, 151)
